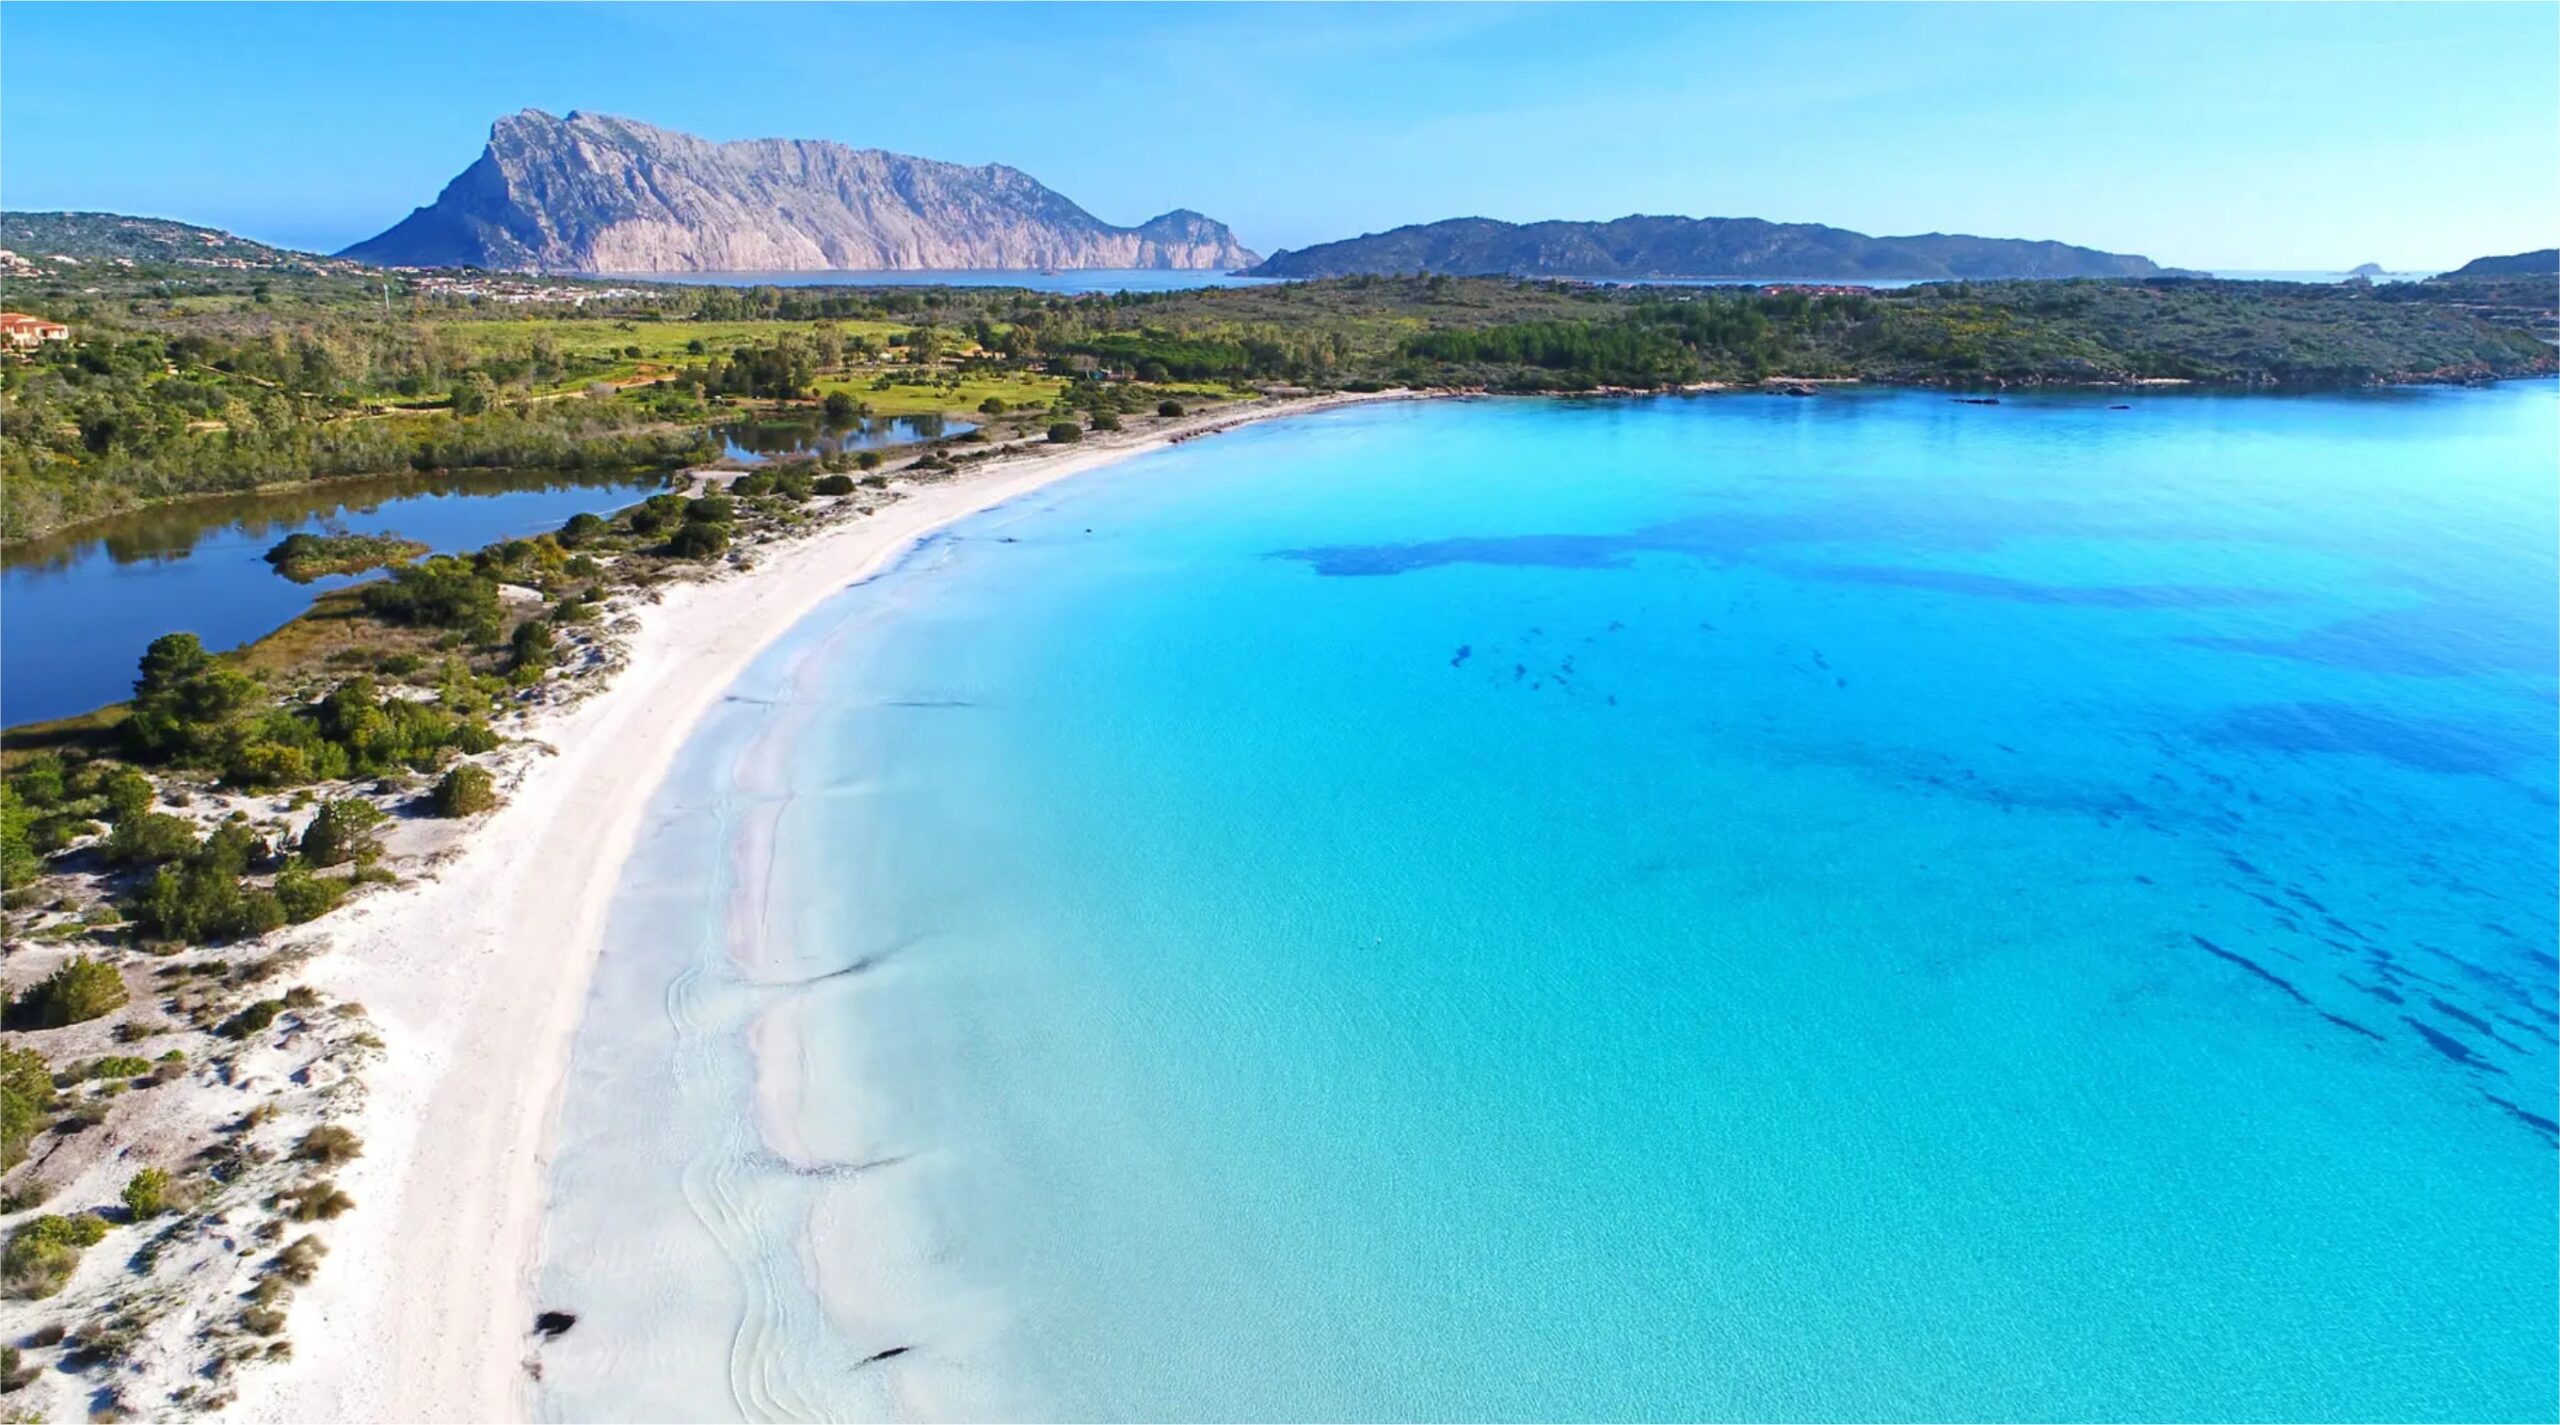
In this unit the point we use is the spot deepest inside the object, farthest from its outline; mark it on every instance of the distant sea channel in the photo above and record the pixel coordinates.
(1086, 279)
(1139, 279)
(1732, 907)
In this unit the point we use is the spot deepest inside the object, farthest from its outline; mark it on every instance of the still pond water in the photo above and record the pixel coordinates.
(755, 442)
(77, 608)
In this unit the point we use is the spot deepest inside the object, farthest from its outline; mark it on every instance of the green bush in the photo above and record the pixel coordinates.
(467, 790)
(342, 831)
(40, 781)
(203, 899)
(252, 1019)
(358, 731)
(149, 839)
(1105, 420)
(304, 896)
(442, 592)
(146, 1193)
(530, 650)
(127, 793)
(1065, 433)
(42, 1254)
(26, 1102)
(20, 859)
(718, 509)
(1168, 408)
(833, 485)
(81, 990)
(792, 484)
(584, 528)
(698, 540)
(867, 460)
(991, 406)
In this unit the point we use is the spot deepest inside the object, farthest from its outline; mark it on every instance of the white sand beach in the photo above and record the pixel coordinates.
(477, 975)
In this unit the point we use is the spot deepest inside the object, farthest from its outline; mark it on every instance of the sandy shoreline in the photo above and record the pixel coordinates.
(478, 978)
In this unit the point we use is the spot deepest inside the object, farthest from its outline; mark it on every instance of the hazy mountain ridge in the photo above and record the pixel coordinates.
(1646, 246)
(2542, 263)
(594, 193)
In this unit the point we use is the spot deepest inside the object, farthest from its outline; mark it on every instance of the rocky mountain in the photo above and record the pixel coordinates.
(2545, 263)
(593, 193)
(1638, 247)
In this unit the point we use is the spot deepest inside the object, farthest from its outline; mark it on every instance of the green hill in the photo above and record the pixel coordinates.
(58, 241)
(1639, 247)
(2545, 263)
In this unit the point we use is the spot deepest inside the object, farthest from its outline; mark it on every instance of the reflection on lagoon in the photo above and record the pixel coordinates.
(78, 607)
(755, 442)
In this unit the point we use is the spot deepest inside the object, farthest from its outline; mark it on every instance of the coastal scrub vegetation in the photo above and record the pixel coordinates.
(81, 989)
(26, 1102)
(43, 1252)
(185, 382)
(467, 790)
(303, 557)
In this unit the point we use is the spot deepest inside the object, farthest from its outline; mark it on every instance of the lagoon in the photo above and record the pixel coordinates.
(753, 442)
(1731, 907)
(81, 605)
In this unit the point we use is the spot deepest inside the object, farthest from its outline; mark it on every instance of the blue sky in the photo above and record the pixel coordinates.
(2296, 136)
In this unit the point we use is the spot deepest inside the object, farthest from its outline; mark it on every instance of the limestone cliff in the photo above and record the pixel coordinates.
(593, 193)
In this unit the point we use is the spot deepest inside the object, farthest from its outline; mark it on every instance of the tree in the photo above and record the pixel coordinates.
(342, 831)
(841, 408)
(582, 528)
(991, 406)
(183, 698)
(474, 394)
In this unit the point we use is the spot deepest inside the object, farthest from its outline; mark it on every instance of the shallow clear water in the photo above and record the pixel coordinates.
(1861, 907)
(77, 608)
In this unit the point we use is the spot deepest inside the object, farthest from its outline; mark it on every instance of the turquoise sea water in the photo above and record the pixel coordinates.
(1863, 907)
